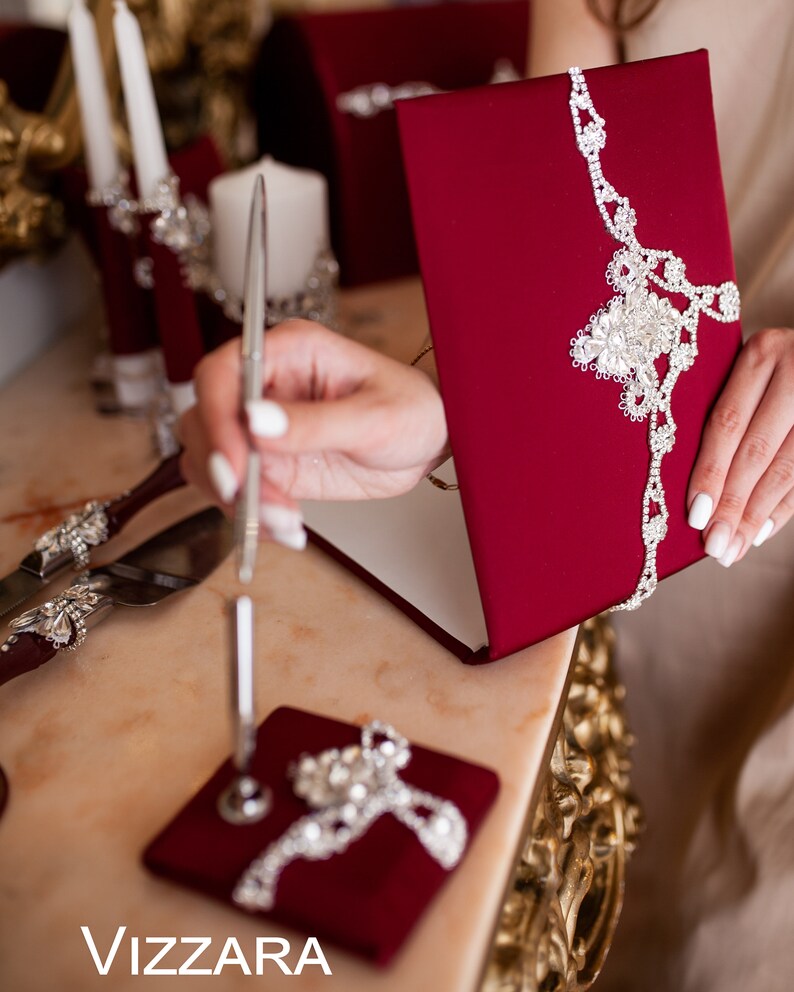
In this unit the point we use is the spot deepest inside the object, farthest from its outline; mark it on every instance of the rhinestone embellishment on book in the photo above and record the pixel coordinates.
(638, 330)
(348, 789)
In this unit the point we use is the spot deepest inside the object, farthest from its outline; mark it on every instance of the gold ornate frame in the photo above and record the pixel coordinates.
(566, 892)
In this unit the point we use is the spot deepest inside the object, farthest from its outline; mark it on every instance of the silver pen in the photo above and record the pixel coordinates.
(253, 346)
(243, 800)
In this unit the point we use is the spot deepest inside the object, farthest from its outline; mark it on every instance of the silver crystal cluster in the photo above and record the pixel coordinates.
(76, 535)
(348, 789)
(627, 337)
(121, 205)
(372, 99)
(61, 620)
(316, 300)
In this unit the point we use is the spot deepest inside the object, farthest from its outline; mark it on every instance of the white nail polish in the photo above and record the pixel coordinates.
(717, 541)
(222, 476)
(700, 511)
(266, 418)
(280, 518)
(764, 533)
(295, 539)
(731, 554)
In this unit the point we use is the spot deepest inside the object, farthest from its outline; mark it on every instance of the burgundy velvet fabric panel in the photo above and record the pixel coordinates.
(513, 254)
(187, 321)
(177, 315)
(367, 899)
(132, 327)
(308, 61)
(197, 164)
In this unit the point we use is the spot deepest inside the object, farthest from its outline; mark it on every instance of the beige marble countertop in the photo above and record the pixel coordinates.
(102, 746)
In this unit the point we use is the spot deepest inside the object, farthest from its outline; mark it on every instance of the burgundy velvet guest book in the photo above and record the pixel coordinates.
(554, 459)
(513, 253)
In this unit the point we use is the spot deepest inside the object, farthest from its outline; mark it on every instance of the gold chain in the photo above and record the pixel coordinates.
(448, 487)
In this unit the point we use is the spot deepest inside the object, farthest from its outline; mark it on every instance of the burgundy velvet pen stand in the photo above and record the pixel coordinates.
(366, 899)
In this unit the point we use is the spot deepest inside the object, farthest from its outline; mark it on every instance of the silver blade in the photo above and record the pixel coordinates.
(177, 558)
(15, 589)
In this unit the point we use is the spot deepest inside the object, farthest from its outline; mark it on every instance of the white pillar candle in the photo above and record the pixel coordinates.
(148, 146)
(101, 158)
(297, 225)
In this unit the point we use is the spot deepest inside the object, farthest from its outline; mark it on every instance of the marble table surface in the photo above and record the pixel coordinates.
(103, 745)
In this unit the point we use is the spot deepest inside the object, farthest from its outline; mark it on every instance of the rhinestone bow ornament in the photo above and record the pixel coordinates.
(61, 620)
(76, 535)
(348, 789)
(638, 332)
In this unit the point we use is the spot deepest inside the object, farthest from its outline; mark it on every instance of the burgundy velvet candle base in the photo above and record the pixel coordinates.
(514, 254)
(132, 326)
(190, 324)
(367, 899)
(177, 314)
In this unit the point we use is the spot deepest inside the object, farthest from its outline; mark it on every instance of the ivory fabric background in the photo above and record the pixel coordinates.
(709, 661)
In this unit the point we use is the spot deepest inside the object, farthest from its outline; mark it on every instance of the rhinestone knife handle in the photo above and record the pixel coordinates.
(55, 551)
(26, 651)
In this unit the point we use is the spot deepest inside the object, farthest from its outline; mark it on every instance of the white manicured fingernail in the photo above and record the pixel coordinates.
(731, 554)
(266, 418)
(295, 539)
(717, 541)
(284, 525)
(222, 476)
(280, 518)
(700, 511)
(764, 533)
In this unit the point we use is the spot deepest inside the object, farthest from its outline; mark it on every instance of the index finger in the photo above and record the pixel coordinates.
(724, 430)
(218, 393)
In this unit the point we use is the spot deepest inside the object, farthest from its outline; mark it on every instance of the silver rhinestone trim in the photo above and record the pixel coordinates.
(623, 340)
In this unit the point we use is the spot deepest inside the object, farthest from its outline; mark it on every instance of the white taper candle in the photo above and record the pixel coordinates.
(101, 157)
(148, 145)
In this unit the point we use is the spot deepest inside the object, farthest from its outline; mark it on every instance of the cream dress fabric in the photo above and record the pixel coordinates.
(709, 660)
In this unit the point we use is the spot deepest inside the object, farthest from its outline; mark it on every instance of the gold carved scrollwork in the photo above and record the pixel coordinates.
(30, 146)
(565, 897)
(200, 53)
(33, 146)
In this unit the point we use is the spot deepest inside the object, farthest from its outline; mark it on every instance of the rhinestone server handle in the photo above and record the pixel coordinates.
(57, 625)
